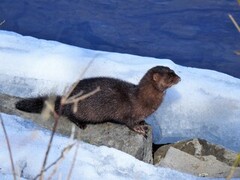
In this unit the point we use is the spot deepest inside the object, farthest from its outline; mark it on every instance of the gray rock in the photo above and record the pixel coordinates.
(197, 157)
(108, 134)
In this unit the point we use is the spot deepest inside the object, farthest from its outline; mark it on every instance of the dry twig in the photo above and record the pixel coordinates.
(64, 100)
(73, 132)
(234, 22)
(237, 52)
(73, 163)
(58, 161)
(9, 148)
(236, 25)
(1, 23)
(77, 99)
(56, 118)
(67, 94)
(235, 164)
(71, 98)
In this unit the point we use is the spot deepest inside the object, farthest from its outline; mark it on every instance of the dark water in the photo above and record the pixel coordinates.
(195, 33)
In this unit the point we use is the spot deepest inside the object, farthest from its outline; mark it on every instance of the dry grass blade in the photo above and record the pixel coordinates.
(58, 161)
(76, 100)
(9, 148)
(235, 164)
(64, 100)
(75, 96)
(237, 52)
(73, 163)
(50, 108)
(82, 97)
(66, 96)
(234, 22)
(56, 118)
(1, 23)
(73, 131)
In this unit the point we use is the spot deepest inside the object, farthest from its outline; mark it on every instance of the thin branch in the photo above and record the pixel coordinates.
(73, 131)
(75, 96)
(237, 52)
(76, 100)
(234, 22)
(66, 96)
(1, 23)
(48, 149)
(70, 100)
(73, 163)
(58, 161)
(233, 169)
(57, 115)
(50, 107)
(56, 118)
(9, 148)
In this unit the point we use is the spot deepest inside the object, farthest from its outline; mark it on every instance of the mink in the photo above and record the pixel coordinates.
(117, 101)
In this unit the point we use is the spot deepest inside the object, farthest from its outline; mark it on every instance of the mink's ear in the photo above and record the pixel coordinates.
(156, 77)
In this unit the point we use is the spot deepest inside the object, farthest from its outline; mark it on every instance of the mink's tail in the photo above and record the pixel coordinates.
(35, 105)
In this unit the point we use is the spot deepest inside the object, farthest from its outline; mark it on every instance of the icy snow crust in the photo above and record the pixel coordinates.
(29, 143)
(205, 104)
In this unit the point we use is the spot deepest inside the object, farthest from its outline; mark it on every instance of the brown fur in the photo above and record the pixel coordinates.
(117, 101)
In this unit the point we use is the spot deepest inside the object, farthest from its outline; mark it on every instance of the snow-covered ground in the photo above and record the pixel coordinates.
(205, 104)
(29, 143)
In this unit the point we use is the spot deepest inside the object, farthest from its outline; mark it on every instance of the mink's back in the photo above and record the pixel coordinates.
(104, 82)
(112, 102)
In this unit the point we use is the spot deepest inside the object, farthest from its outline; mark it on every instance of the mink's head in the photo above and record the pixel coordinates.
(163, 77)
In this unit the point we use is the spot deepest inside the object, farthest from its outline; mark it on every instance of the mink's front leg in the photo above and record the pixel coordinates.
(139, 127)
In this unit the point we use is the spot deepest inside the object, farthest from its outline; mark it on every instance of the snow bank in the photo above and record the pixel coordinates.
(205, 104)
(29, 143)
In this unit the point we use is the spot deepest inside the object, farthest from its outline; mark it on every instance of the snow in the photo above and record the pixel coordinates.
(29, 142)
(205, 104)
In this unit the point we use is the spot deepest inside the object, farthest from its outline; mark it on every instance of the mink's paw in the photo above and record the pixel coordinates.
(141, 129)
(81, 125)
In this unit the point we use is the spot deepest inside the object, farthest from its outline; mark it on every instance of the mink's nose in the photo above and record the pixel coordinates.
(178, 79)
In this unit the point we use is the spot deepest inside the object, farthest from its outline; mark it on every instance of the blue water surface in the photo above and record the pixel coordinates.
(196, 33)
